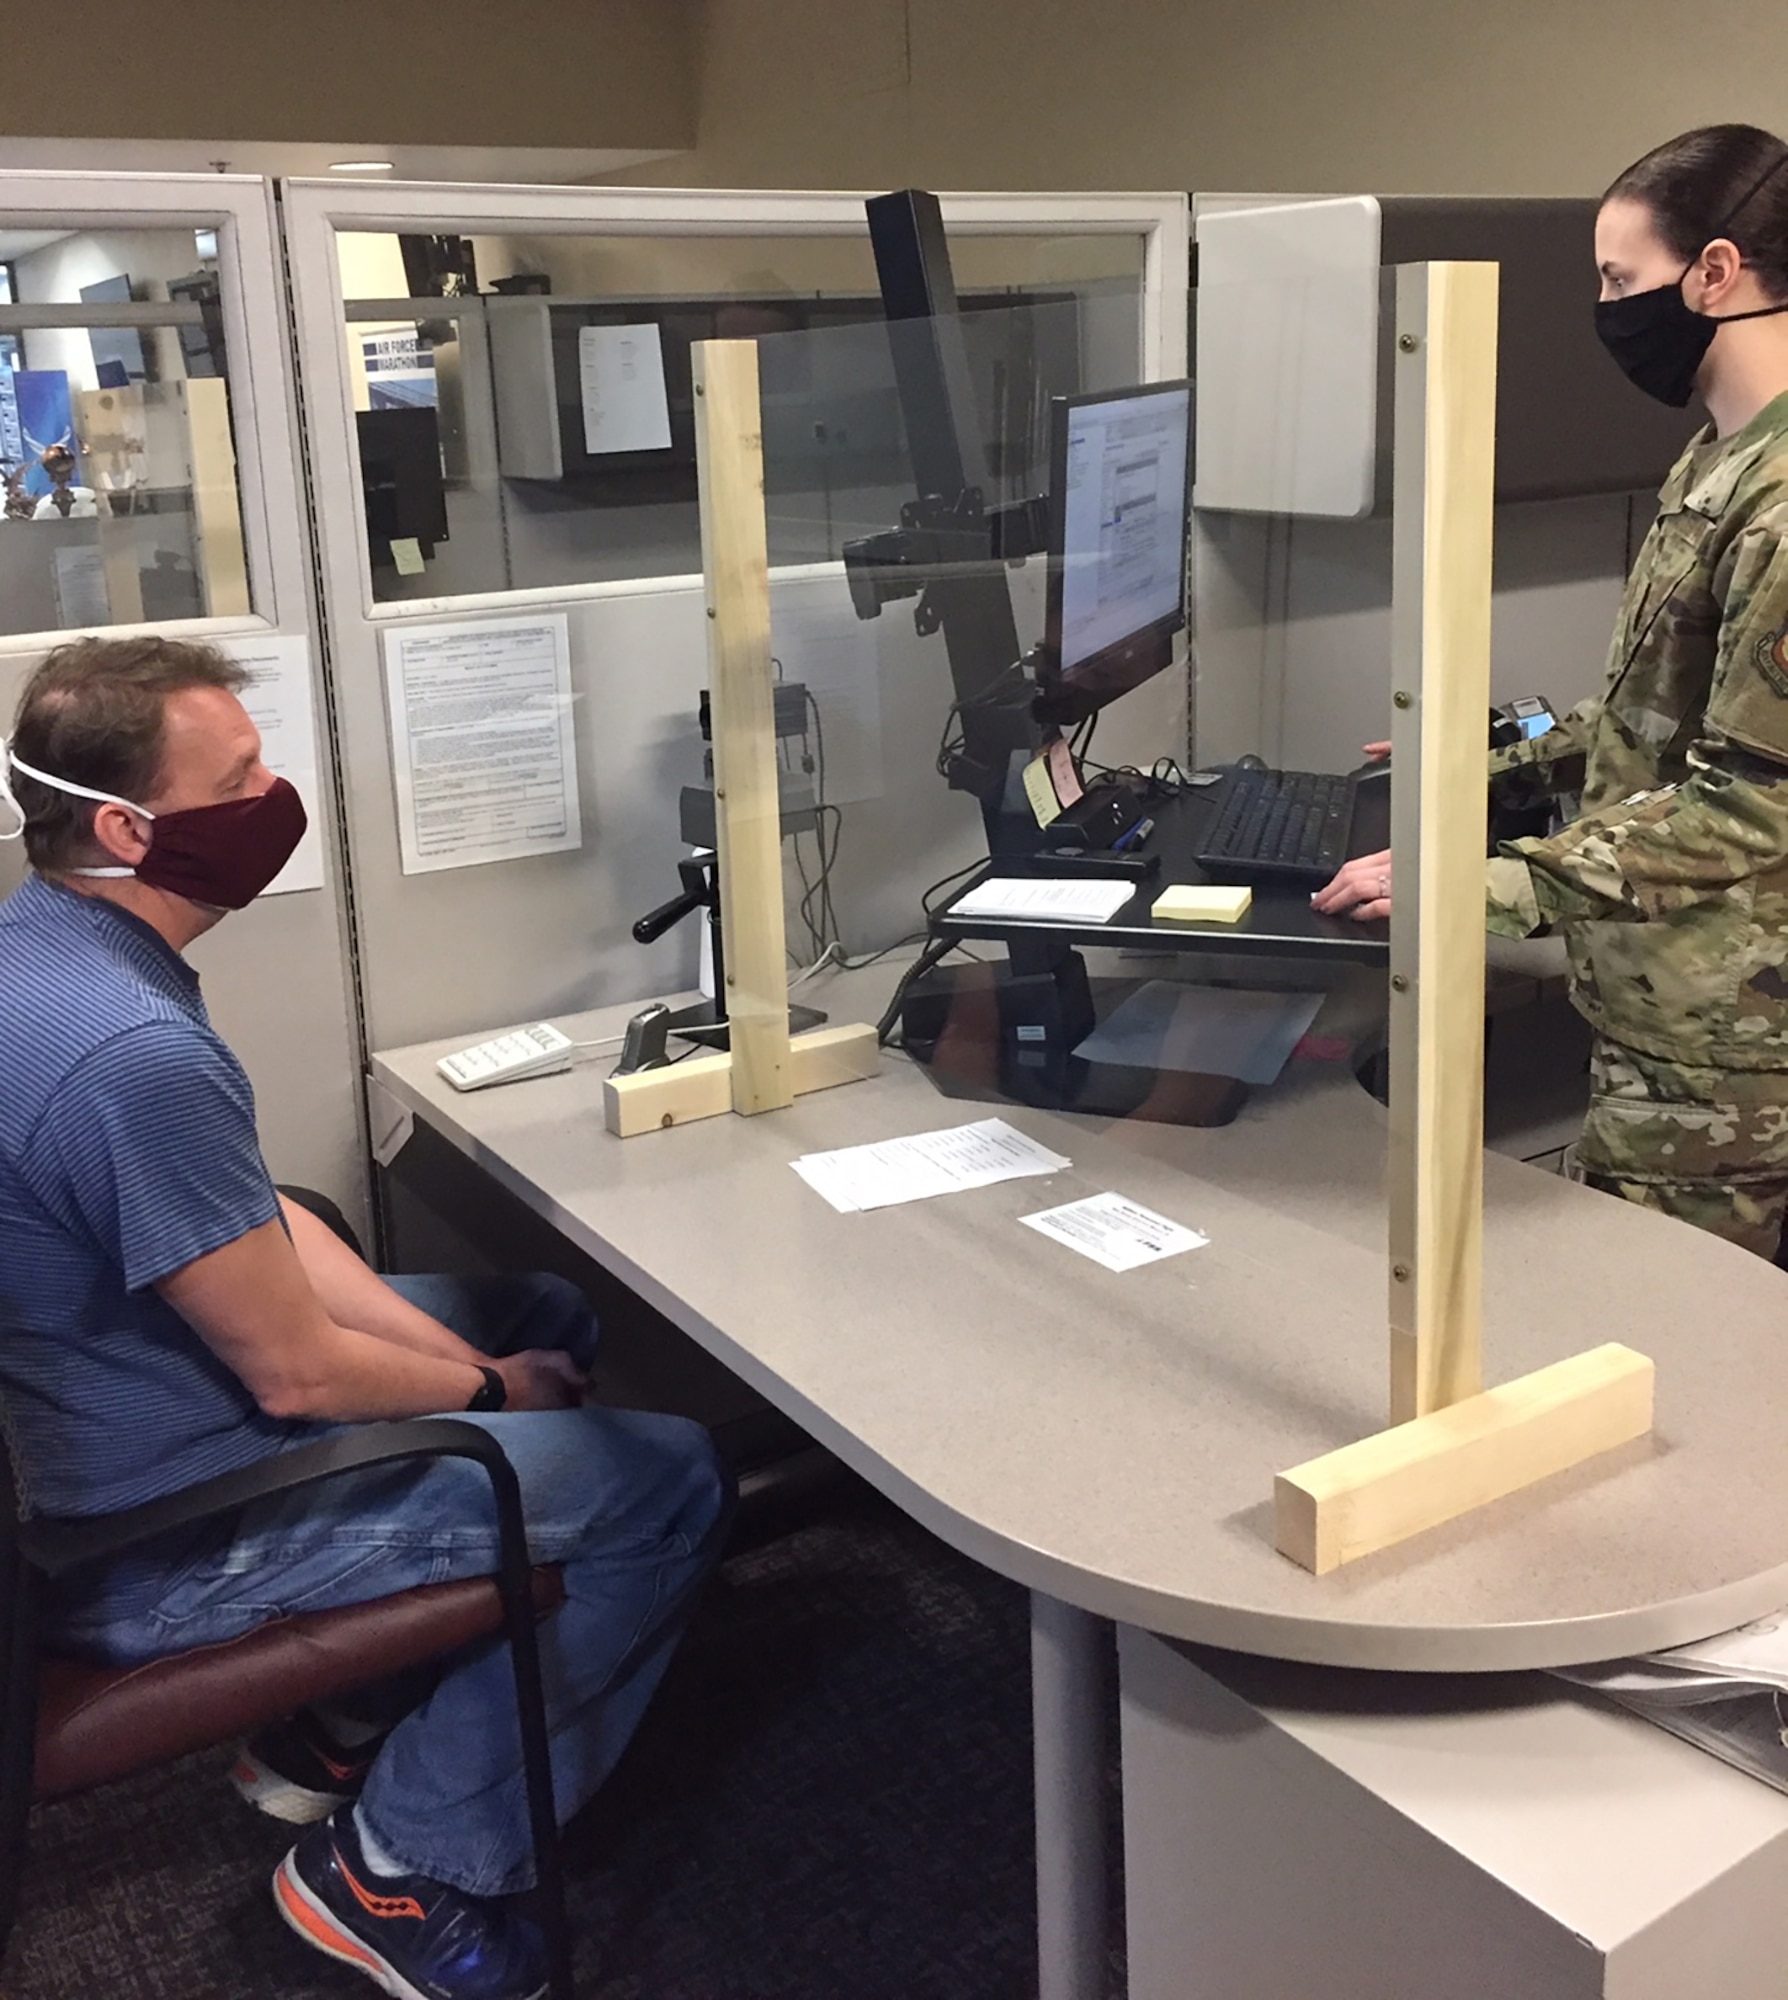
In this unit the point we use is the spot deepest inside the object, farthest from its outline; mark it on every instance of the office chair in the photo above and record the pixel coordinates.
(67, 1725)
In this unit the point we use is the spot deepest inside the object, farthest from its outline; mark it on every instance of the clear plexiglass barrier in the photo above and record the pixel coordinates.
(978, 532)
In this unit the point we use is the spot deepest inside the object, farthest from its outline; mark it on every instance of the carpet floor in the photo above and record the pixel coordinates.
(830, 1800)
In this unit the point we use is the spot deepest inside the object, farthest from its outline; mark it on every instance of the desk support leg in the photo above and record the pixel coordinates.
(1071, 1660)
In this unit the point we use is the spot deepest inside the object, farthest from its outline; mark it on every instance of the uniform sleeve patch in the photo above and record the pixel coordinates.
(1772, 660)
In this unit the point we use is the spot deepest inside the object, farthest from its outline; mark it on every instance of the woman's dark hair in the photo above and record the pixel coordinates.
(1720, 180)
(93, 713)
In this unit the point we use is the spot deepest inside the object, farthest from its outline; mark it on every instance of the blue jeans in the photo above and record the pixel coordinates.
(633, 1507)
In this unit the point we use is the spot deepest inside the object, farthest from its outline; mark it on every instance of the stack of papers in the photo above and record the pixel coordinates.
(1727, 1695)
(1050, 901)
(896, 1170)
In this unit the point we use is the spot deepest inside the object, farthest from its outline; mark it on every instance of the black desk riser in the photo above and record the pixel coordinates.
(996, 1037)
(1280, 922)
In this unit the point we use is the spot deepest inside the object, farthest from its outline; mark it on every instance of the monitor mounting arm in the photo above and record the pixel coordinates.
(949, 551)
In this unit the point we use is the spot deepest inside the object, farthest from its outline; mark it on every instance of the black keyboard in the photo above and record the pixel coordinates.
(1279, 827)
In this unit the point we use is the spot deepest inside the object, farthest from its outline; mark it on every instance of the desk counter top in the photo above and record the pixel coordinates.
(1112, 1439)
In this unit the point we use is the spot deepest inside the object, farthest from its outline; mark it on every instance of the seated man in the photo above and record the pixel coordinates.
(164, 1317)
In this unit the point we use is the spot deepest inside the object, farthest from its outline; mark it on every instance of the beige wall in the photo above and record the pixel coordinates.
(454, 72)
(1387, 96)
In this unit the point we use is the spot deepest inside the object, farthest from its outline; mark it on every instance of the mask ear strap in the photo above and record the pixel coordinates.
(11, 761)
(7, 798)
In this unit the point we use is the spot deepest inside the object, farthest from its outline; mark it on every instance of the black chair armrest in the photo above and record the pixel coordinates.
(58, 1545)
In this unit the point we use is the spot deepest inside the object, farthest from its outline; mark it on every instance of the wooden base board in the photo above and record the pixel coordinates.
(1386, 1488)
(702, 1086)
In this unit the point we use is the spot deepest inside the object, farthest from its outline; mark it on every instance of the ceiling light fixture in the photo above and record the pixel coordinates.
(361, 166)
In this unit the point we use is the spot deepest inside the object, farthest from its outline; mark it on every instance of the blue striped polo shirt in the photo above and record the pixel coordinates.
(127, 1149)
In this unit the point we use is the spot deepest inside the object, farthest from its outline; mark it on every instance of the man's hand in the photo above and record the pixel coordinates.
(1362, 887)
(541, 1378)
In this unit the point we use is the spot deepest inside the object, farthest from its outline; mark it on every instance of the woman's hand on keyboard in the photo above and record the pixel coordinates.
(1361, 889)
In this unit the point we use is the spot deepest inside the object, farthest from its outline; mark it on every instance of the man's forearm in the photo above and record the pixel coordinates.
(253, 1305)
(357, 1377)
(356, 1297)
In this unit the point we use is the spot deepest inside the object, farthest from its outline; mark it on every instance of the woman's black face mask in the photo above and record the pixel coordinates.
(1659, 341)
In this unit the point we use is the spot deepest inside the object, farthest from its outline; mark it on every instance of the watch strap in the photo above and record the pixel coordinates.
(491, 1394)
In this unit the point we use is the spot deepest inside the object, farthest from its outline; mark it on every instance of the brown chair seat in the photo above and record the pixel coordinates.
(97, 1724)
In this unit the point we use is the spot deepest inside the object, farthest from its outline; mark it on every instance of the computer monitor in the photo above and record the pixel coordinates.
(1120, 501)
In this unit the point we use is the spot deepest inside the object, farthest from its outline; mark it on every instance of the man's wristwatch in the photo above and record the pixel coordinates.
(491, 1394)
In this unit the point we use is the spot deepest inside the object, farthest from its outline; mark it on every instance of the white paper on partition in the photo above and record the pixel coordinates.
(278, 700)
(484, 756)
(82, 599)
(831, 652)
(620, 373)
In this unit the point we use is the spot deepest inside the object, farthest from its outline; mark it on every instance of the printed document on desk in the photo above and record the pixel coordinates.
(483, 754)
(1049, 901)
(1122, 1235)
(928, 1163)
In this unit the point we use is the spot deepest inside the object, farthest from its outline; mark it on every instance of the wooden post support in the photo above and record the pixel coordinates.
(653, 1100)
(763, 1070)
(1453, 1446)
(1440, 676)
(1414, 1476)
(729, 451)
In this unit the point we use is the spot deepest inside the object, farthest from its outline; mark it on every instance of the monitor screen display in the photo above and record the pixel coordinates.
(1120, 510)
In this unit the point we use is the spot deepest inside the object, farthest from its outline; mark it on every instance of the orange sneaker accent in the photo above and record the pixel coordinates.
(336, 1770)
(298, 1912)
(379, 1906)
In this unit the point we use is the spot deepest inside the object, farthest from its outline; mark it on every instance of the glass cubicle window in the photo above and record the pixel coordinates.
(524, 405)
(121, 500)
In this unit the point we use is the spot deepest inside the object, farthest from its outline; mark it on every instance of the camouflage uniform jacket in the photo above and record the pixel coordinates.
(1671, 887)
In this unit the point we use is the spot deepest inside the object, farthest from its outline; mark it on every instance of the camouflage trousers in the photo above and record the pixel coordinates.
(1709, 1146)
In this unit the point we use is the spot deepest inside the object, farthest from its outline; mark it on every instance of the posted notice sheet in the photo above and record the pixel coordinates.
(483, 752)
(620, 373)
(278, 700)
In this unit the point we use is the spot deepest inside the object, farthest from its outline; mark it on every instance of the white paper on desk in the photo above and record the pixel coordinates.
(1048, 900)
(1208, 1030)
(483, 752)
(1122, 1235)
(620, 374)
(928, 1163)
(278, 700)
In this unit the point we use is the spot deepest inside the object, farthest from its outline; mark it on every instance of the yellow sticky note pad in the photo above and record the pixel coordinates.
(1040, 791)
(406, 554)
(1206, 904)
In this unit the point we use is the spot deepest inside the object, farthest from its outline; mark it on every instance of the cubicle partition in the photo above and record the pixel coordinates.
(1292, 538)
(151, 484)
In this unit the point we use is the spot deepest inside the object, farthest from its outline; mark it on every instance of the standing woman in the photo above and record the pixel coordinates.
(1671, 886)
